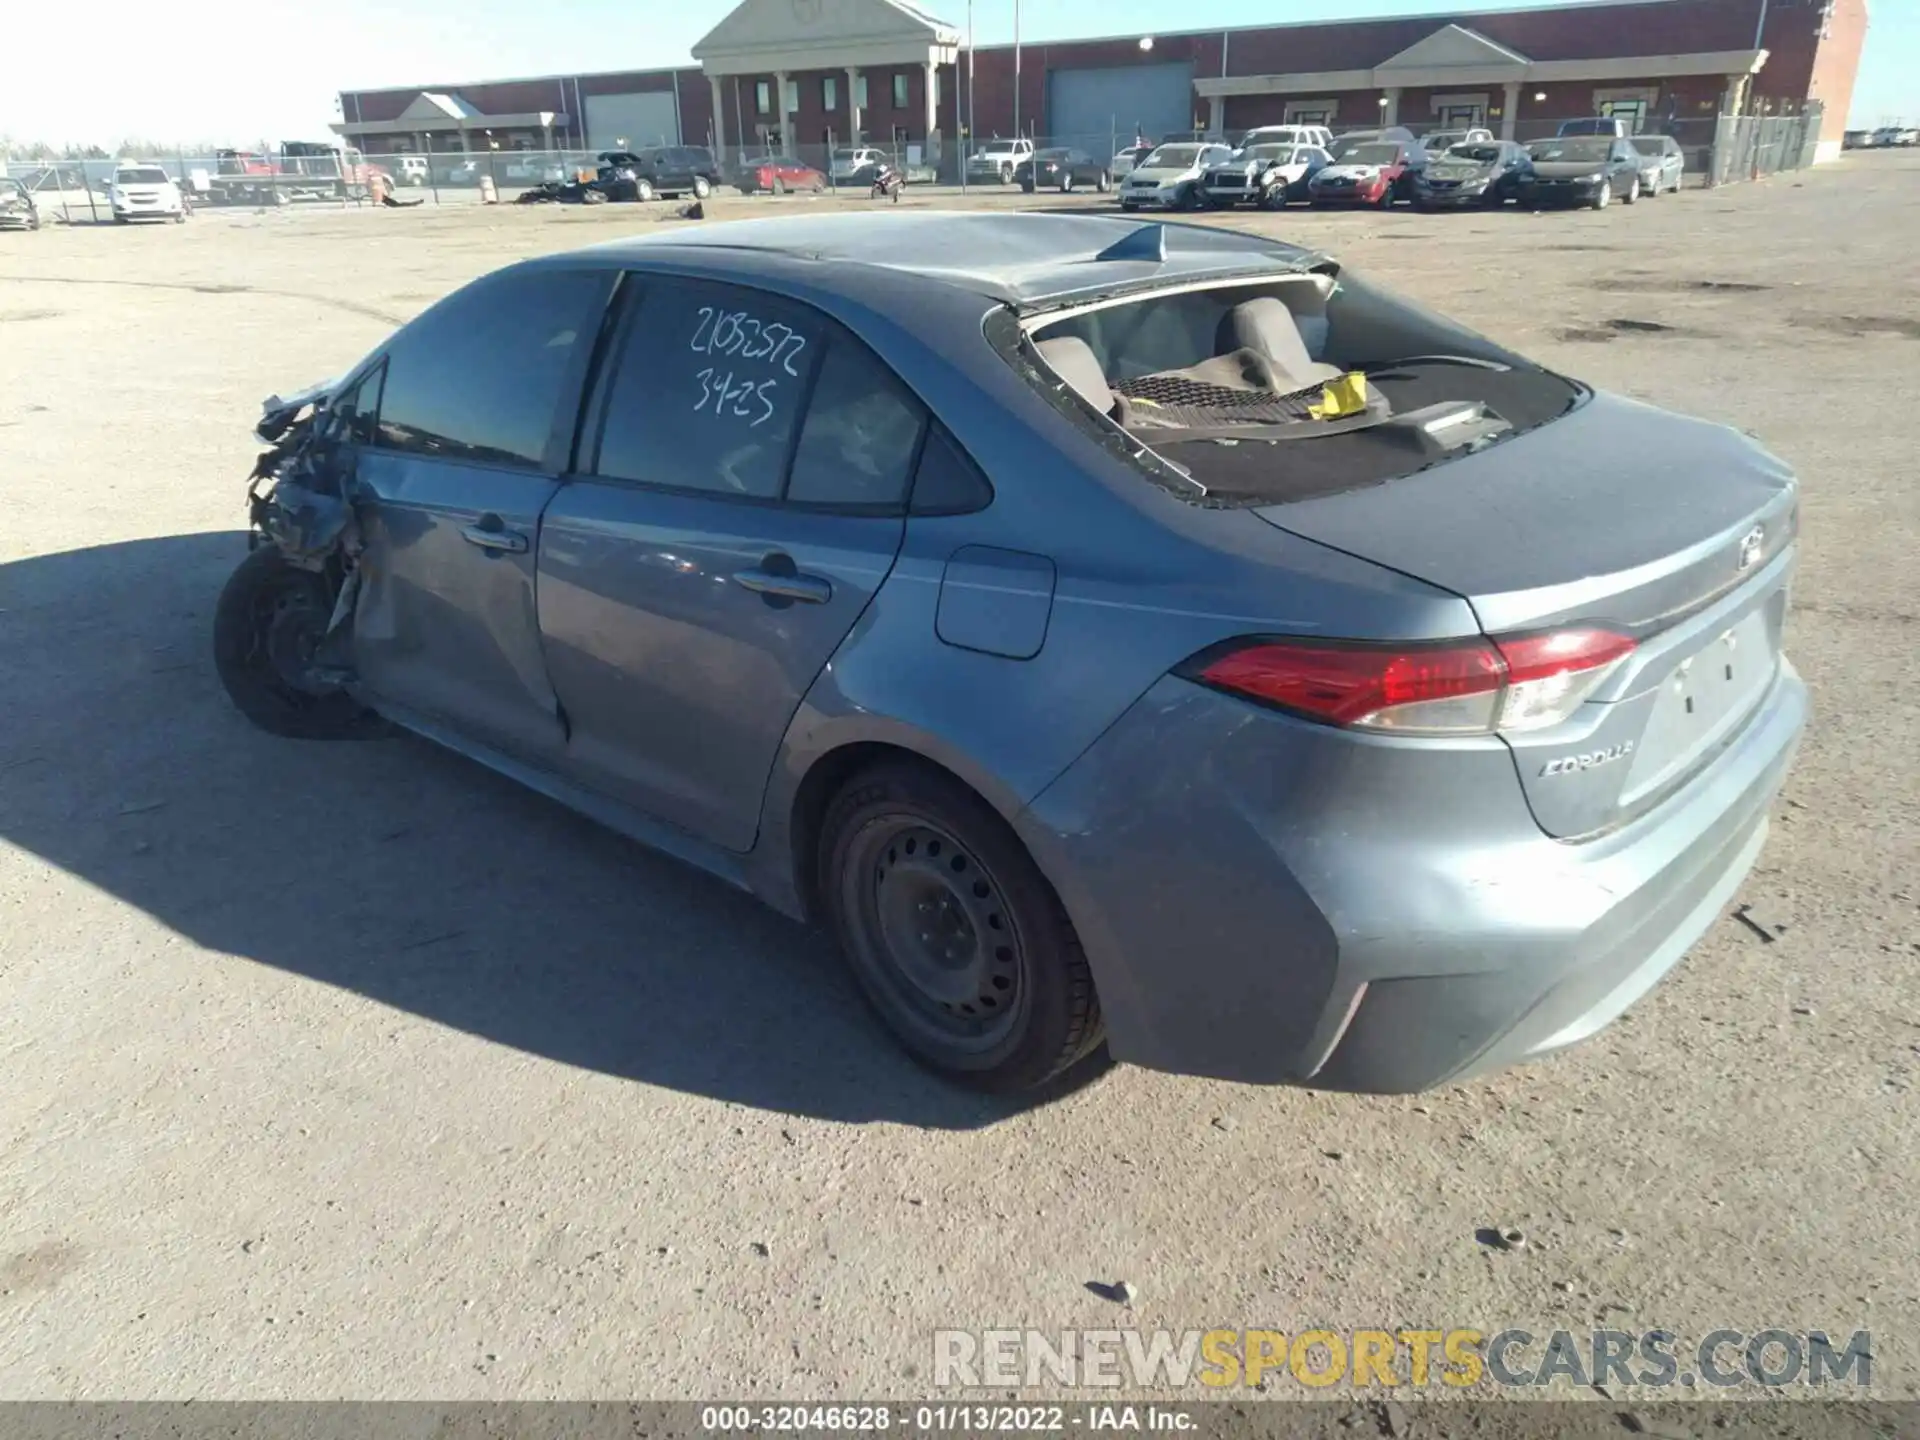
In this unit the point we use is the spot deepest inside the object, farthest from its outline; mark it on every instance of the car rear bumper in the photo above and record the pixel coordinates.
(1289, 903)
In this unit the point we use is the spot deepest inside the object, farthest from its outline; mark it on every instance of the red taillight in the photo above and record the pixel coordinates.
(1478, 686)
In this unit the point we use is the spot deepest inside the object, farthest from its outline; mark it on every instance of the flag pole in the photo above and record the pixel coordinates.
(1016, 69)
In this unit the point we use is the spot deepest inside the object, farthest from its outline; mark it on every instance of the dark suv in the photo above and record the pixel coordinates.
(672, 170)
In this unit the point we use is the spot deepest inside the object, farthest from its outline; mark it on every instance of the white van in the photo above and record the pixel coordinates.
(1318, 136)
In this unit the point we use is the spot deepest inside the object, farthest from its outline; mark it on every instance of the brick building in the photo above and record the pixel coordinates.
(803, 73)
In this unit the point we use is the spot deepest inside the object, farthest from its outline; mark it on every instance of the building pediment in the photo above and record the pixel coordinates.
(438, 107)
(1454, 47)
(801, 34)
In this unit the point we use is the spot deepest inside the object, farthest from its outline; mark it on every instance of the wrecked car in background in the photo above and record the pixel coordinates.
(1108, 630)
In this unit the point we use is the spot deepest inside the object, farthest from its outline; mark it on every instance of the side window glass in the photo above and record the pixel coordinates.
(357, 411)
(478, 376)
(708, 389)
(947, 481)
(862, 429)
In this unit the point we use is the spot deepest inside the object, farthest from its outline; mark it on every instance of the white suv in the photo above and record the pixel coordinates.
(997, 159)
(144, 192)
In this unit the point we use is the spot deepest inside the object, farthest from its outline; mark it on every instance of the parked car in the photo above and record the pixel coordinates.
(1591, 170)
(17, 210)
(1663, 164)
(1906, 137)
(1414, 153)
(1316, 135)
(855, 165)
(1061, 169)
(1266, 761)
(1125, 159)
(777, 174)
(1437, 142)
(1857, 140)
(1171, 178)
(1368, 174)
(1265, 175)
(1479, 172)
(410, 169)
(1595, 125)
(144, 192)
(675, 170)
(998, 159)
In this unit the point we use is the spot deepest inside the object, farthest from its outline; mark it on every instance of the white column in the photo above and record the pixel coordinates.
(853, 104)
(1390, 112)
(719, 120)
(1510, 110)
(927, 94)
(1216, 115)
(787, 141)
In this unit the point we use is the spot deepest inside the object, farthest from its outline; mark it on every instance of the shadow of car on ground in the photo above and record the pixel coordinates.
(405, 873)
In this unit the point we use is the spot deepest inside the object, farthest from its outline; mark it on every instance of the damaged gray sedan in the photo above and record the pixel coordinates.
(1122, 632)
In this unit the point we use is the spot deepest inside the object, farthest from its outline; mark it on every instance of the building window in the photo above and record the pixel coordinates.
(762, 97)
(1311, 112)
(1628, 104)
(934, 80)
(830, 92)
(901, 80)
(792, 97)
(860, 91)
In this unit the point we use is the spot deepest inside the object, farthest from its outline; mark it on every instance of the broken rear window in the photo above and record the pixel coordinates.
(1286, 388)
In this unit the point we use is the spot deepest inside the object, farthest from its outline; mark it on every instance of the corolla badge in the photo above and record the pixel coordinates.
(1573, 764)
(1751, 545)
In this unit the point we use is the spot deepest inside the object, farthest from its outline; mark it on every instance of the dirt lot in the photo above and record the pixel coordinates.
(353, 1070)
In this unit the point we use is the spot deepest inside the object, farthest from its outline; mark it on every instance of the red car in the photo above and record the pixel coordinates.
(1368, 174)
(777, 174)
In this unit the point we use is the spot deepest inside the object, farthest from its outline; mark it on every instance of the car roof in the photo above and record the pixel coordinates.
(1019, 257)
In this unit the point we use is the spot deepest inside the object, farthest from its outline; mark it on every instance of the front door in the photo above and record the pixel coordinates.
(461, 462)
(739, 500)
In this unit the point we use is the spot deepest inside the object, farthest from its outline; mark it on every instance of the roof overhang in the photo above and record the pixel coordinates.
(1384, 77)
(761, 37)
(421, 125)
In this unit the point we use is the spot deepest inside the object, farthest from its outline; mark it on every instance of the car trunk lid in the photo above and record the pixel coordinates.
(1617, 515)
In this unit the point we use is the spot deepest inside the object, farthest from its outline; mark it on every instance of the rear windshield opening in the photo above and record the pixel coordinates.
(1242, 389)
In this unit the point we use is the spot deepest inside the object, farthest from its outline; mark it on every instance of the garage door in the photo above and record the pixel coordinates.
(640, 119)
(1089, 107)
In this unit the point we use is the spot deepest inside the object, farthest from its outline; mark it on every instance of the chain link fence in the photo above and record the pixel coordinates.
(1718, 150)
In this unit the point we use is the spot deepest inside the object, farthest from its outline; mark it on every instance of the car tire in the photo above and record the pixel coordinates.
(1633, 191)
(1274, 197)
(1104, 183)
(1066, 182)
(701, 187)
(643, 191)
(1006, 174)
(1026, 187)
(1604, 196)
(778, 187)
(268, 618)
(996, 994)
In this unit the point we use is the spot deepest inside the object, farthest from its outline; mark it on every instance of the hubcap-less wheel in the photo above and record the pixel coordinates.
(701, 189)
(1606, 194)
(643, 191)
(942, 930)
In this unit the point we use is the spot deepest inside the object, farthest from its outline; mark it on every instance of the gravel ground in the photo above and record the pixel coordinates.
(354, 1071)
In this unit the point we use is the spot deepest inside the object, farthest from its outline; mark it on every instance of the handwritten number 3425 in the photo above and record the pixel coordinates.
(743, 399)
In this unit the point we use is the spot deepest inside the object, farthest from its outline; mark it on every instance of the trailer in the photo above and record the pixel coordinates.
(299, 170)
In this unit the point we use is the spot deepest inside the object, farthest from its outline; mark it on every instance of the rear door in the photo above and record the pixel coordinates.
(738, 499)
(462, 460)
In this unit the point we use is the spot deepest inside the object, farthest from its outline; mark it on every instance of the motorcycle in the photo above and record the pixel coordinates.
(887, 184)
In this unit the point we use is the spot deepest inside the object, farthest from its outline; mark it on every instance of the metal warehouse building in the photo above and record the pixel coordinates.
(792, 74)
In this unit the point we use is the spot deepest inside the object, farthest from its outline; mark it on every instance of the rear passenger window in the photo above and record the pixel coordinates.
(947, 481)
(861, 432)
(708, 390)
(478, 377)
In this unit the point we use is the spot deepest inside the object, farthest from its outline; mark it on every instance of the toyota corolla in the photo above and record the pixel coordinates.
(1112, 632)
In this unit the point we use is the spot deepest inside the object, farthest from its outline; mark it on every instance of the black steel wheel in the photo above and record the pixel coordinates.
(266, 629)
(954, 935)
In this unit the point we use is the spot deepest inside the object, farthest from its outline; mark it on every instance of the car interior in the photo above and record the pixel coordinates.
(1220, 380)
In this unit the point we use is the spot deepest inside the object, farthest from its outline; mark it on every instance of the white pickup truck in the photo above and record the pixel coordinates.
(996, 159)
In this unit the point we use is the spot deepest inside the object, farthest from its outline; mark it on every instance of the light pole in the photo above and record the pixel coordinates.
(1016, 69)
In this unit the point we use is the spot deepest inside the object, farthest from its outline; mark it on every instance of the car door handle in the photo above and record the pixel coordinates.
(777, 581)
(491, 534)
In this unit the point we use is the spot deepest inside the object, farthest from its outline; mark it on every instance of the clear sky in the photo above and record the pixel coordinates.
(234, 71)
